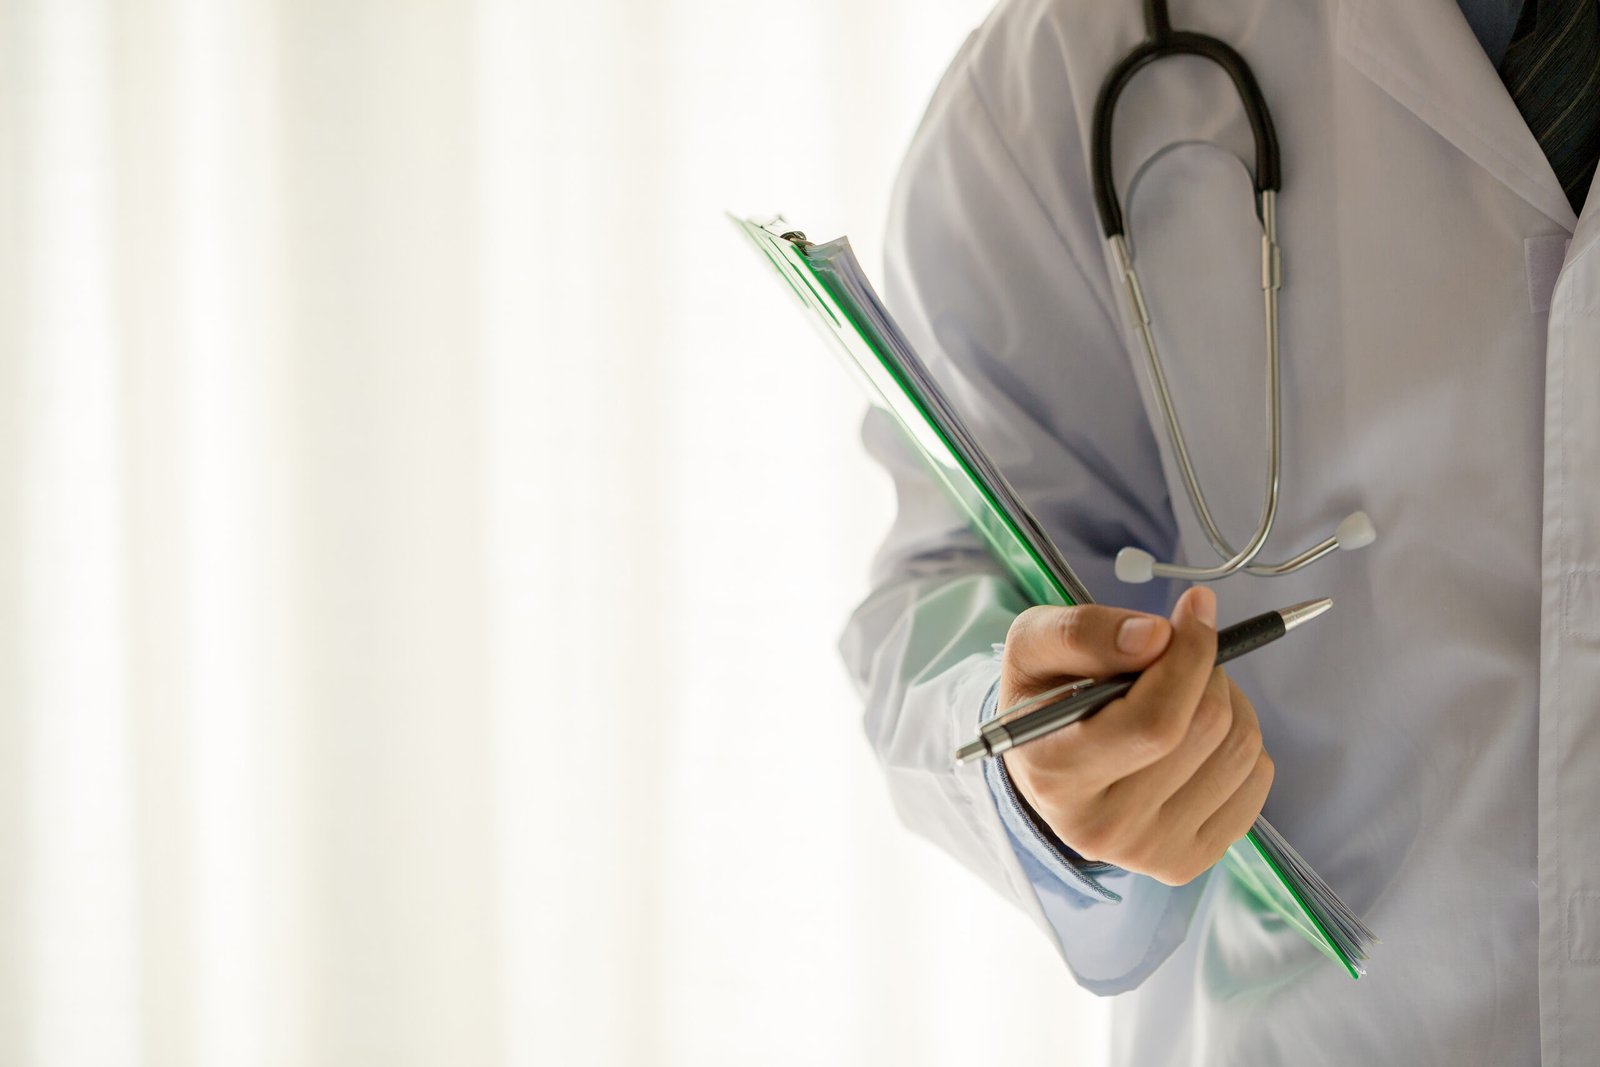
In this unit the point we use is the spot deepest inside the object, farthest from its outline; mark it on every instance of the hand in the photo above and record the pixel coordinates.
(1160, 781)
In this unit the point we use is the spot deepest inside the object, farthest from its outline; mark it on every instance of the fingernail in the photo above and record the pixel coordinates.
(1203, 602)
(1134, 634)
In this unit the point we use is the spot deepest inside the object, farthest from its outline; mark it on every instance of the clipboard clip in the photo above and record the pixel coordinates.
(778, 227)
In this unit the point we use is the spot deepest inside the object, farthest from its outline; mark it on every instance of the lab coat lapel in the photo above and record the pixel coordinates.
(1588, 231)
(1423, 53)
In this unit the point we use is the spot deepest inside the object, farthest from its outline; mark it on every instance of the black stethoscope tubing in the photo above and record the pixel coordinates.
(1164, 41)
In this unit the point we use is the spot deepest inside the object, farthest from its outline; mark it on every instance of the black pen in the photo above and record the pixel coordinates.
(1065, 705)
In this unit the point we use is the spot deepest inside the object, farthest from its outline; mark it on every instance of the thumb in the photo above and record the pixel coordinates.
(1046, 644)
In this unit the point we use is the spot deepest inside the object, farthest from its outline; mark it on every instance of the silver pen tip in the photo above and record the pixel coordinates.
(971, 750)
(1300, 613)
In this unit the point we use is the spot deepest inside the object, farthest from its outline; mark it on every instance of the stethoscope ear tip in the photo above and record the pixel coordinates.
(1356, 531)
(1135, 566)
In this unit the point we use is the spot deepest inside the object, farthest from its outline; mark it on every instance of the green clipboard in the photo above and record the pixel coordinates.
(829, 281)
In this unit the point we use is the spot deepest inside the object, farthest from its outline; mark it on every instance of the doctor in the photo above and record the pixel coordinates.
(1435, 742)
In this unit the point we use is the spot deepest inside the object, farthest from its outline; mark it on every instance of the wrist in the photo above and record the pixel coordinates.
(1041, 825)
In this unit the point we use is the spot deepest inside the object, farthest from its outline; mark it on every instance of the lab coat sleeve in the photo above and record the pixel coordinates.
(1004, 306)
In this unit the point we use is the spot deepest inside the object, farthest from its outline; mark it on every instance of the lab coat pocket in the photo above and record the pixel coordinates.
(1196, 244)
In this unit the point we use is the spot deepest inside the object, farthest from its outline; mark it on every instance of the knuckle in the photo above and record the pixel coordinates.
(1243, 743)
(1214, 839)
(1026, 624)
(1260, 780)
(1215, 836)
(1073, 629)
(1153, 736)
(1252, 731)
(1199, 643)
(1213, 719)
(1144, 741)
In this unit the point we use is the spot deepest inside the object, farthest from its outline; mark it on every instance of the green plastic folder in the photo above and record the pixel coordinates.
(829, 281)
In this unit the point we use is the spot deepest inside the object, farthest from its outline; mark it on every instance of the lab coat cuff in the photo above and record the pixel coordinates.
(1031, 836)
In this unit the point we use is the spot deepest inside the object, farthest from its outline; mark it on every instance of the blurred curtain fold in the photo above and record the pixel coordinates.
(423, 534)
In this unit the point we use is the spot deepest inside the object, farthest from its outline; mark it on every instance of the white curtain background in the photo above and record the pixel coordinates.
(424, 530)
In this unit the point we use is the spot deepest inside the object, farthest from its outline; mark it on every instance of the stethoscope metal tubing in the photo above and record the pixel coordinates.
(1164, 41)
(1271, 279)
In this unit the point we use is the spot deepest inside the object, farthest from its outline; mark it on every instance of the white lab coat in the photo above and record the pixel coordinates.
(1437, 735)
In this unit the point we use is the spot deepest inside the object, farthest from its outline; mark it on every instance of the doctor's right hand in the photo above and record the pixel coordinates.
(1161, 781)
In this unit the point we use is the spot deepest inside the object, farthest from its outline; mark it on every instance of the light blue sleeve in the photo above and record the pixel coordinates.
(1113, 927)
(1049, 863)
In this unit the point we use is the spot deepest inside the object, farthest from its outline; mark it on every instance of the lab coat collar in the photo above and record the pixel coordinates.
(1423, 53)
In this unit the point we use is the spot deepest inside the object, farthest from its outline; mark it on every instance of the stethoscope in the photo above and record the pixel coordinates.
(1135, 564)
